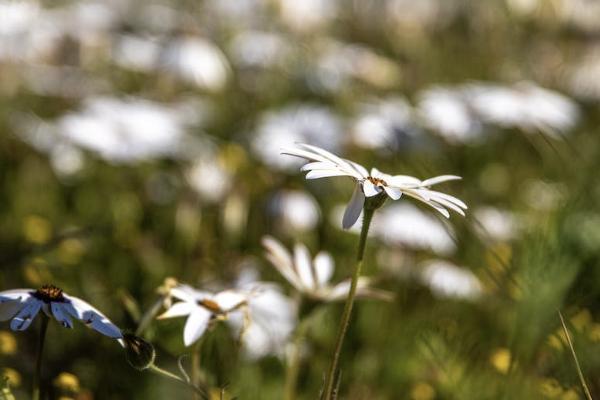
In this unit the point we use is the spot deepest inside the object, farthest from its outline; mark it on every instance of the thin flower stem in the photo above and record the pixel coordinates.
(170, 375)
(196, 365)
(586, 390)
(330, 381)
(37, 378)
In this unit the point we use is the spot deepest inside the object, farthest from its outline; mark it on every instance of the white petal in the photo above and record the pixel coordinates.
(394, 193)
(359, 168)
(323, 268)
(354, 208)
(439, 179)
(339, 291)
(178, 309)
(229, 299)
(369, 189)
(317, 165)
(375, 173)
(8, 309)
(340, 162)
(448, 198)
(15, 294)
(282, 260)
(93, 318)
(188, 293)
(61, 315)
(195, 325)
(23, 319)
(326, 173)
(403, 181)
(302, 262)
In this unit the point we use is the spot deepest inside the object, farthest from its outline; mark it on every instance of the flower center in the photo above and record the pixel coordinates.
(48, 293)
(377, 181)
(210, 305)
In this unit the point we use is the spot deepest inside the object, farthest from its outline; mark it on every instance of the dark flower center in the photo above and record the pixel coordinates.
(210, 305)
(49, 293)
(377, 181)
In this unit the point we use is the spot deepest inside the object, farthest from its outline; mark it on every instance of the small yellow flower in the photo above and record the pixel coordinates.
(36, 229)
(67, 382)
(501, 359)
(8, 343)
(14, 378)
(422, 391)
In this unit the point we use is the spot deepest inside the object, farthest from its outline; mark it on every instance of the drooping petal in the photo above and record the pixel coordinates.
(282, 260)
(394, 193)
(23, 319)
(354, 208)
(93, 318)
(439, 179)
(60, 314)
(369, 189)
(195, 325)
(179, 309)
(403, 181)
(447, 197)
(323, 265)
(302, 262)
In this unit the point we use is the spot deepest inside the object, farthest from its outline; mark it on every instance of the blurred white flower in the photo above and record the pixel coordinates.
(258, 49)
(311, 277)
(406, 225)
(525, 106)
(270, 322)
(126, 130)
(386, 124)
(446, 112)
(307, 15)
(300, 123)
(582, 76)
(201, 308)
(583, 14)
(23, 305)
(136, 52)
(296, 211)
(324, 164)
(197, 61)
(209, 179)
(448, 280)
(493, 223)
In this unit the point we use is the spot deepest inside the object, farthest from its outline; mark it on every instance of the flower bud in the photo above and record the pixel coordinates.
(140, 353)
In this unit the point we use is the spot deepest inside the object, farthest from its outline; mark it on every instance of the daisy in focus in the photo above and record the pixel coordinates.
(311, 276)
(21, 306)
(202, 308)
(324, 164)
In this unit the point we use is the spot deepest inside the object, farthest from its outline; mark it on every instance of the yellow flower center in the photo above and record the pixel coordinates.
(377, 181)
(48, 293)
(210, 305)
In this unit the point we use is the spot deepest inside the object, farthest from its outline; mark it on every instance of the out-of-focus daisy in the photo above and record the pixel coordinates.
(297, 123)
(448, 280)
(201, 308)
(270, 321)
(311, 276)
(22, 305)
(295, 211)
(325, 164)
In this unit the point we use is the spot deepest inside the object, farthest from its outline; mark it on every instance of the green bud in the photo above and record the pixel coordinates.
(140, 353)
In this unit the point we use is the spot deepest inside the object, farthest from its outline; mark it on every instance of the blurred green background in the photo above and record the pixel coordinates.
(139, 141)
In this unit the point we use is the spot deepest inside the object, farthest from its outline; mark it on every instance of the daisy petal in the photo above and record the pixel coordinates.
(229, 300)
(195, 325)
(178, 309)
(323, 265)
(93, 318)
(23, 319)
(282, 260)
(439, 179)
(354, 208)
(369, 189)
(394, 193)
(61, 315)
(302, 262)
(326, 173)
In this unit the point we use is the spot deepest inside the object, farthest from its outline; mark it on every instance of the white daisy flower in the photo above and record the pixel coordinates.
(311, 276)
(202, 308)
(22, 305)
(325, 164)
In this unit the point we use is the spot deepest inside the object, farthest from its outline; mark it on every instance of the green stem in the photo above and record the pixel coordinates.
(586, 390)
(196, 365)
(330, 381)
(37, 378)
(170, 375)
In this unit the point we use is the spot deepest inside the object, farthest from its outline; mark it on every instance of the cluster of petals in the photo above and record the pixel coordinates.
(21, 306)
(311, 276)
(324, 164)
(203, 307)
